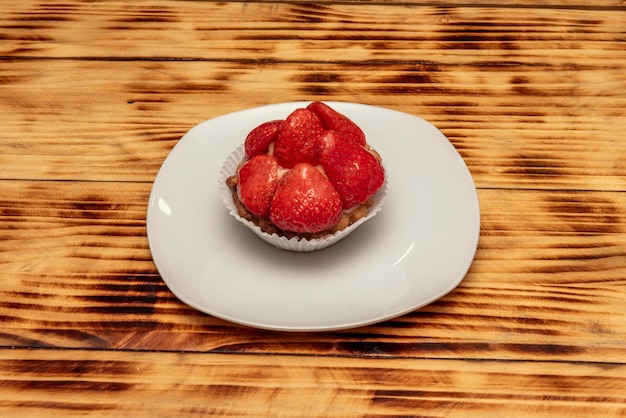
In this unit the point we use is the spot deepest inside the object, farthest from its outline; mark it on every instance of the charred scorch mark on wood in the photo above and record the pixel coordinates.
(412, 77)
(539, 302)
(320, 83)
(586, 215)
(125, 295)
(162, 84)
(445, 400)
(46, 17)
(155, 100)
(478, 40)
(310, 13)
(408, 79)
(322, 77)
(520, 79)
(522, 85)
(127, 307)
(474, 35)
(29, 37)
(535, 164)
(72, 385)
(73, 367)
(453, 349)
(155, 14)
(121, 303)
(16, 340)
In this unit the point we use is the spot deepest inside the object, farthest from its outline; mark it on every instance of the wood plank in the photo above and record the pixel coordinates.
(547, 282)
(190, 385)
(253, 32)
(121, 119)
(546, 4)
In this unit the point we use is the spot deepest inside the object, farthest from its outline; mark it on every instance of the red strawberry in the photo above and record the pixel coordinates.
(297, 141)
(305, 201)
(354, 172)
(259, 139)
(257, 183)
(333, 120)
(327, 141)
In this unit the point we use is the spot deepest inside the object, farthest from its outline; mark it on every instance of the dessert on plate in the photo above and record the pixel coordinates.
(304, 182)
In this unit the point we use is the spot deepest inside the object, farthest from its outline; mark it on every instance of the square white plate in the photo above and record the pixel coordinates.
(417, 249)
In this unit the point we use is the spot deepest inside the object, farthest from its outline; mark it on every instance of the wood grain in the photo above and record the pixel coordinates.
(478, 75)
(123, 120)
(94, 95)
(547, 282)
(192, 385)
(251, 32)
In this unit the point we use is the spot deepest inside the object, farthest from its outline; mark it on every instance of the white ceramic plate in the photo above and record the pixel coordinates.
(416, 250)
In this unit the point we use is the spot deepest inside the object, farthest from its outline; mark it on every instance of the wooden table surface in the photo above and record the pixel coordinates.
(95, 94)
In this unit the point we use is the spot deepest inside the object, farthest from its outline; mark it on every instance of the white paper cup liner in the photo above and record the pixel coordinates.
(291, 244)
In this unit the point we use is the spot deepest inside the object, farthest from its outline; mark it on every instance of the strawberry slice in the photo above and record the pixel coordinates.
(297, 141)
(305, 201)
(335, 121)
(259, 139)
(354, 172)
(257, 183)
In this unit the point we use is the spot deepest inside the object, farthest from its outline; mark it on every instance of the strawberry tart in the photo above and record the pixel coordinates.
(309, 178)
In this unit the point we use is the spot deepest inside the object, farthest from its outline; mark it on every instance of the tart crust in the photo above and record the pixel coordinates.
(348, 217)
